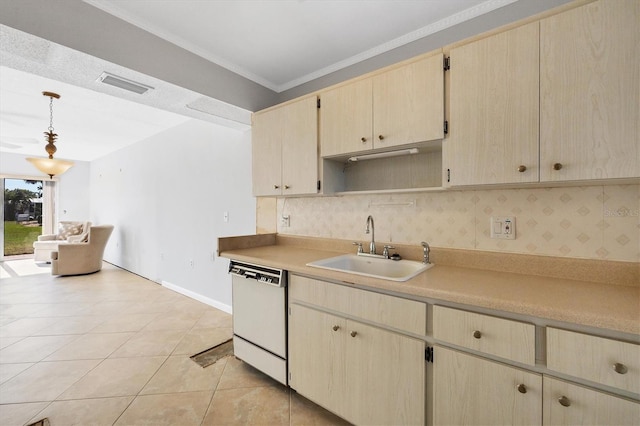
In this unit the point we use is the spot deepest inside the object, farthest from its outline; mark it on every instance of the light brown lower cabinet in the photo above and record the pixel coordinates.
(364, 374)
(570, 404)
(469, 390)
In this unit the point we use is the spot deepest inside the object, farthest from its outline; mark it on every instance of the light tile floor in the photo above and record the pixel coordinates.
(113, 348)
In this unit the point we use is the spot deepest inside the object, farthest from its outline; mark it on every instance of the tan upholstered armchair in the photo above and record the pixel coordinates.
(68, 232)
(83, 257)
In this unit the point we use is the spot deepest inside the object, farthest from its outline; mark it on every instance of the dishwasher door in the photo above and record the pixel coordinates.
(259, 314)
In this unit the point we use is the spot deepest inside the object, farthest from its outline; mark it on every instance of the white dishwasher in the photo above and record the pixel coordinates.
(259, 303)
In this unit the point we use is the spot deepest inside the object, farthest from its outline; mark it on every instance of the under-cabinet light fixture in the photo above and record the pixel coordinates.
(384, 154)
(123, 83)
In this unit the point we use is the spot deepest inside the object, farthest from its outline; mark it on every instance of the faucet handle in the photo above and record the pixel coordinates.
(425, 252)
(359, 247)
(385, 251)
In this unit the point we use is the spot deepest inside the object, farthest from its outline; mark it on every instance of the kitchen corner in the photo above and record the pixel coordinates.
(472, 320)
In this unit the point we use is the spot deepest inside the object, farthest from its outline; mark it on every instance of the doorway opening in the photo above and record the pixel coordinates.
(23, 202)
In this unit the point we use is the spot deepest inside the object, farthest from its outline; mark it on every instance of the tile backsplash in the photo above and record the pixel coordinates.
(593, 222)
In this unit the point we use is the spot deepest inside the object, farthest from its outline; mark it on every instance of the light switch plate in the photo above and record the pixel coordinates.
(503, 227)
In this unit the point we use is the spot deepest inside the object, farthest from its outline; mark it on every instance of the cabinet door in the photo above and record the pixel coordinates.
(316, 357)
(494, 109)
(408, 103)
(569, 404)
(346, 119)
(386, 377)
(266, 147)
(474, 391)
(300, 147)
(590, 92)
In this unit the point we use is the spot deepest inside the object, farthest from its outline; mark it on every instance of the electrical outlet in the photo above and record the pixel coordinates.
(191, 264)
(503, 227)
(285, 221)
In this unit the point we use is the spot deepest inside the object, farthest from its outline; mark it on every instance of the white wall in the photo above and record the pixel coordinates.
(166, 197)
(72, 199)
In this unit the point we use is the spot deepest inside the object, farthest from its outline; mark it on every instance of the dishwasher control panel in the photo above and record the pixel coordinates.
(262, 274)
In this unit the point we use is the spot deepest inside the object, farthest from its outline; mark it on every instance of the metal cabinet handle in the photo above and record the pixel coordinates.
(380, 137)
(363, 139)
(336, 327)
(276, 186)
(557, 166)
(522, 388)
(620, 368)
(564, 401)
(287, 187)
(354, 333)
(522, 168)
(477, 334)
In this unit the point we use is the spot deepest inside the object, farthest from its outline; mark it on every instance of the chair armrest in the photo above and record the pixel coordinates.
(47, 237)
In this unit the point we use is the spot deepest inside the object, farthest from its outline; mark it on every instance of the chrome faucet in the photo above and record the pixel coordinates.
(425, 252)
(372, 244)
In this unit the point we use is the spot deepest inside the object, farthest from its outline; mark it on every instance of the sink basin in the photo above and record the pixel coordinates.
(393, 270)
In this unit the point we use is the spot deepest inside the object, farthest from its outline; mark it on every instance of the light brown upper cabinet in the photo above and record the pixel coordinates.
(285, 149)
(402, 106)
(493, 111)
(553, 100)
(590, 92)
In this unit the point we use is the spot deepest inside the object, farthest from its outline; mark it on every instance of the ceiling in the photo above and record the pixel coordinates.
(89, 124)
(278, 44)
(281, 44)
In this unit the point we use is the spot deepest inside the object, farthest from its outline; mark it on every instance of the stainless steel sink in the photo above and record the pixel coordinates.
(393, 270)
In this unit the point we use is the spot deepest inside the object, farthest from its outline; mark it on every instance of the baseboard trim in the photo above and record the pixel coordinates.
(200, 298)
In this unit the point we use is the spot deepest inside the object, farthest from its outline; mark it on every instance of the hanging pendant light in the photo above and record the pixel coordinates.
(50, 166)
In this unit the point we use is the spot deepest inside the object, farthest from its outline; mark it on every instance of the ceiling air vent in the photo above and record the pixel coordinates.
(123, 83)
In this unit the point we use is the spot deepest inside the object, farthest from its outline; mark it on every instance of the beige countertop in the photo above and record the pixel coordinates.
(584, 303)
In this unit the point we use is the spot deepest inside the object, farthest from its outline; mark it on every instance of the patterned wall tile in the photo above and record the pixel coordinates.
(549, 221)
(596, 222)
(443, 219)
(621, 222)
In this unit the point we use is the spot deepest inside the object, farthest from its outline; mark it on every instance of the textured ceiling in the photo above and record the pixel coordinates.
(92, 119)
(88, 126)
(281, 44)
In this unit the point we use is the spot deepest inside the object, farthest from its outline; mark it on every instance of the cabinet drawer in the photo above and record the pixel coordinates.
(568, 404)
(391, 311)
(607, 361)
(318, 293)
(508, 339)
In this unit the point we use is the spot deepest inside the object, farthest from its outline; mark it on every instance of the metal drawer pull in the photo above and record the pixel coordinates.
(363, 139)
(354, 333)
(522, 388)
(620, 368)
(564, 401)
(336, 327)
(522, 169)
(380, 137)
(477, 334)
(557, 166)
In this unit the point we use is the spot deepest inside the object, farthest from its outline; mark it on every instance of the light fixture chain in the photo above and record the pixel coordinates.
(51, 114)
